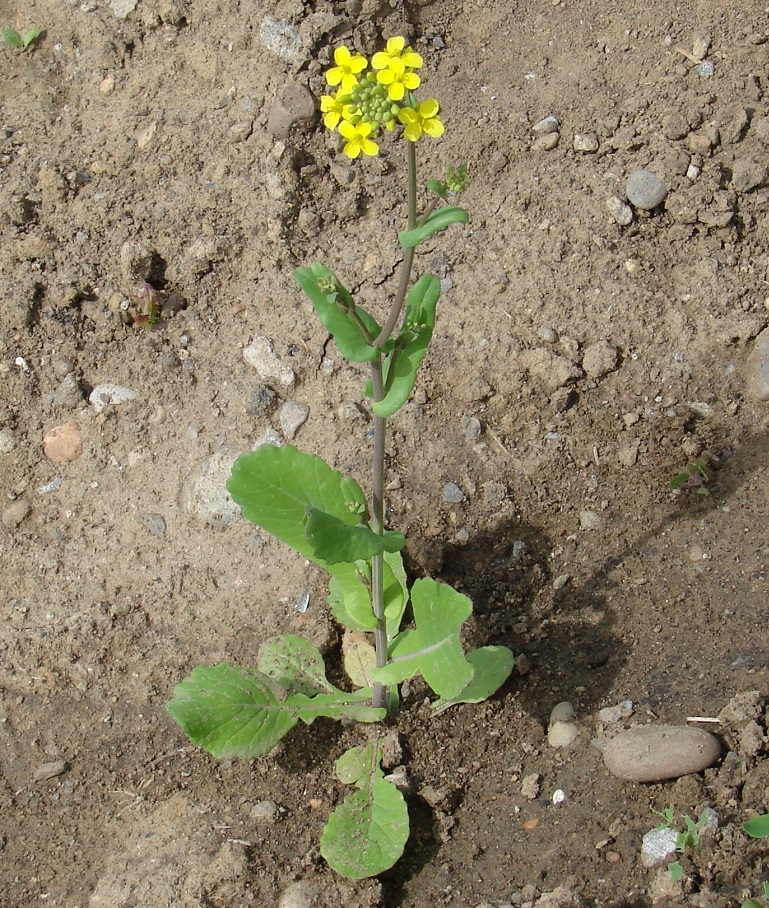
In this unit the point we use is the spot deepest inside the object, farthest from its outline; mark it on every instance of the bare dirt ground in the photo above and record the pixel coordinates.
(600, 359)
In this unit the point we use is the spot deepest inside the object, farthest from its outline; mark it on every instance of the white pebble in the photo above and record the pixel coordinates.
(261, 355)
(292, 416)
(108, 394)
(645, 189)
(658, 846)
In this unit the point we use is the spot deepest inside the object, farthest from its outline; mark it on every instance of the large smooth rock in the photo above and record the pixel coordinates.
(656, 752)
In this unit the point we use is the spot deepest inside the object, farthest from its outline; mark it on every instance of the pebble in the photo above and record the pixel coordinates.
(530, 786)
(153, 523)
(7, 441)
(589, 520)
(264, 811)
(748, 174)
(586, 142)
(610, 715)
(645, 190)
(657, 846)
(599, 359)
(561, 734)
(301, 894)
(293, 106)
(757, 367)
(15, 513)
(452, 494)
(68, 394)
(108, 394)
(292, 416)
(560, 581)
(63, 443)
(282, 39)
(204, 491)
(547, 142)
(261, 355)
(50, 770)
(471, 428)
(706, 69)
(547, 126)
(123, 8)
(657, 752)
(621, 212)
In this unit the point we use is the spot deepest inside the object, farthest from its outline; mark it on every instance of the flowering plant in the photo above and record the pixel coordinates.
(326, 517)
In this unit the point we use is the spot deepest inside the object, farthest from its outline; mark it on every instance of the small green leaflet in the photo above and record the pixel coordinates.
(241, 712)
(334, 541)
(296, 665)
(396, 592)
(434, 647)
(411, 345)
(334, 307)
(758, 827)
(350, 599)
(438, 220)
(367, 832)
(492, 665)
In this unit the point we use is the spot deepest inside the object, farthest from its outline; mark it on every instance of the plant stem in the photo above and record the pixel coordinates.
(379, 698)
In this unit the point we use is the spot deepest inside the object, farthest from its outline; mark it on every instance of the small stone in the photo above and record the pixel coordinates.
(452, 494)
(264, 811)
(561, 896)
(261, 355)
(530, 786)
(293, 106)
(610, 715)
(561, 581)
(589, 520)
(107, 85)
(586, 142)
(15, 513)
(706, 69)
(757, 368)
(693, 171)
(702, 143)
(50, 770)
(342, 173)
(263, 399)
(547, 142)
(68, 394)
(108, 394)
(545, 127)
(645, 190)
(471, 428)
(301, 894)
(701, 46)
(561, 712)
(622, 213)
(658, 845)
(153, 523)
(63, 443)
(292, 416)
(748, 174)
(561, 734)
(599, 359)
(654, 753)
(239, 132)
(282, 39)
(7, 441)
(123, 8)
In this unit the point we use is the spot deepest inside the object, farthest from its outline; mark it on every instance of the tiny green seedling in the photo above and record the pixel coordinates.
(757, 828)
(695, 476)
(687, 839)
(755, 903)
(325, 516)
(21, 40)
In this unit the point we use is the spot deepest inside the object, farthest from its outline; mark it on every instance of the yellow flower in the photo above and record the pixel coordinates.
(421, 120)
(398, 79)
(348, 66)
(395, 51)
(334, 109)
(358, 140)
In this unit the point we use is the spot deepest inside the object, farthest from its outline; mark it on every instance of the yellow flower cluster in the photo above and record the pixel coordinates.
(368, 99)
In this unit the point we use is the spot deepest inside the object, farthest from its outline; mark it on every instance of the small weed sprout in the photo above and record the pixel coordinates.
(757, 828)
(325, 516)
(687, 839)
(695, 476)
(21, 40)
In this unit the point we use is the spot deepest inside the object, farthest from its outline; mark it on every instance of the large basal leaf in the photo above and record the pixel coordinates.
(274, 487)
(402, 364)
(438, 220)
(492, 665)
(334, 541)
(434, 647)
(334, 305)
(367, 832)
(231, 712)
(296, 665)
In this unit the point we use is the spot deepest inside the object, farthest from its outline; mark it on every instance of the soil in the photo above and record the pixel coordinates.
(600, 360)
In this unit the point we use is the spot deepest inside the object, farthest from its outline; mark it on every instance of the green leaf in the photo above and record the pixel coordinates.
(676, 871)
(434, 648)
(402, 364)
(492, 665)
(334, 541)
(274, 487)
(334, 306)
(437, 187)
(350, 599)
(354, 706)
(396, 591)
(758, 827)
(367, 832)
(438, 220)
(295, 664)
(31, 35)
(231, 712)
(359, 659)
(12, 38)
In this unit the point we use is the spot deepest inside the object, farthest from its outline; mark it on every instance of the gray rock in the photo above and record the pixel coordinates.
(706, 69)
(204, 492)
(261, 355)
(561, 712)
(600, 359)
(589, 520)
(153, 523)
(645, 189)
(16, 513)
(547, 126)
(612, 714)
(264, 811)
(657, 752)
(586, 142)
(302, 894)
(7, 440)
(452, 494)
(561, 734)
(292, 416)
(123, 8)
(50, 770)
(107, 394)
(657, 846)
(471, 428)
(68, 394)
(622, 213)
(748, 174)
(293, 106)
(282, 39)
(547, 142)
(757, 369)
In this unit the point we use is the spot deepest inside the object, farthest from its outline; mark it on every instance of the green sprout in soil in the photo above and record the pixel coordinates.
(693, 477)
(21, 40)
(757, 828)
(687, 839)
(325, 516)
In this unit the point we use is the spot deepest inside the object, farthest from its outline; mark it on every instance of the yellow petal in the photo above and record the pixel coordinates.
(434, 128)
(369, 147)
(347, 130)
(412, 60)
(395, 45)
(352, 150)
(411, 81)
(396, 91)
(429, 108)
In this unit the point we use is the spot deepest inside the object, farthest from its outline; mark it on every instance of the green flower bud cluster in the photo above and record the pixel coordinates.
(370, 103)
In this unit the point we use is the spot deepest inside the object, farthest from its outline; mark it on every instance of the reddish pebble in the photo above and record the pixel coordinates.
(613, 857)
(63, 443)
